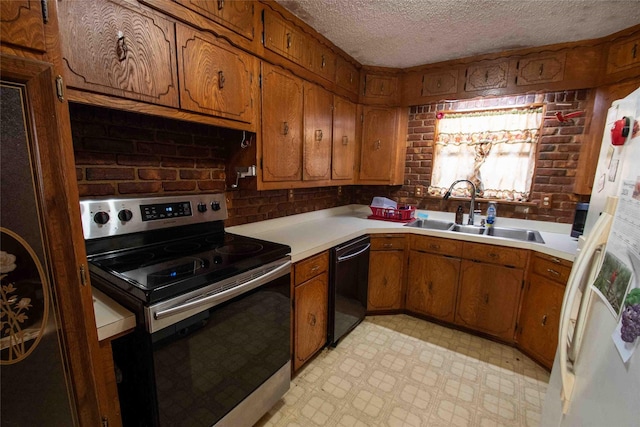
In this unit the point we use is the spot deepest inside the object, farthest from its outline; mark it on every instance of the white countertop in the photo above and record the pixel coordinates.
(314, 232)
(311, 233)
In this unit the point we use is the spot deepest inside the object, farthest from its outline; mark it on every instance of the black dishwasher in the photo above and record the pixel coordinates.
(348, 287)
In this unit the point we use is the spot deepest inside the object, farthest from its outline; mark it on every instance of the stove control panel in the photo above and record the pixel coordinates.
(111, 217)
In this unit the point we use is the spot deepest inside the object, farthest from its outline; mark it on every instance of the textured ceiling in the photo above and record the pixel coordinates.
(405, 33)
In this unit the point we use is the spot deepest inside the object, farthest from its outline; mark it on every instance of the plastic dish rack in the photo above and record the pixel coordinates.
(402, 214)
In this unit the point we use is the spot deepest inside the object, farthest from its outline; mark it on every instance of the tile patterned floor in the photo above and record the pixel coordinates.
(401, 371)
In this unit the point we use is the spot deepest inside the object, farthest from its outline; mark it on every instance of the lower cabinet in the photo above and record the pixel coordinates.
(310, 307)
(386, 273)
(537, 333)
(491, 281)
(488, 298)
(432, 277)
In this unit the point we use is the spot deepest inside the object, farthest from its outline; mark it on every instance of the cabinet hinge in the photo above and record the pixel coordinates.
(60, 88)
(45, 11)
(83, 275)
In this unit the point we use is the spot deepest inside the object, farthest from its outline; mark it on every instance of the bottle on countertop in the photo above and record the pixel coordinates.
(491, 214)
(459, 215)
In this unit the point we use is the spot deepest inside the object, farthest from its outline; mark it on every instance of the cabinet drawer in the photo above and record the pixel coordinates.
(437, 245)
(502, 255)
(311, 267)
(387, 243)
(557, 270)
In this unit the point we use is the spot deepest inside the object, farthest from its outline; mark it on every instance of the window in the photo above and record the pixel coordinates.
(493, 149)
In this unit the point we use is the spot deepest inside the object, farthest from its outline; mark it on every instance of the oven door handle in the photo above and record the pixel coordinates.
(224, 295)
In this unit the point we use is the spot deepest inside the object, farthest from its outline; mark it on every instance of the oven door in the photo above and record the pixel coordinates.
(225, 365)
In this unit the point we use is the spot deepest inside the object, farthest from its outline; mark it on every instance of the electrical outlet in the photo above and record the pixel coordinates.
(339, 191)
(290, 195)
(418, 190)
(545, 202)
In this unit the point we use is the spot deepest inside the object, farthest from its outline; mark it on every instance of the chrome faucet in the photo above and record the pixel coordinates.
(473, 197)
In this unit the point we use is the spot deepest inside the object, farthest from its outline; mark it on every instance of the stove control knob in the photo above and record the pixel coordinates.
(202, 207)
(215, 205)
(125, 215)
(101, 218)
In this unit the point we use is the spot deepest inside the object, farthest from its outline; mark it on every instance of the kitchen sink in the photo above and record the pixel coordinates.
(515, 233)
(431, 224)
(468, 229)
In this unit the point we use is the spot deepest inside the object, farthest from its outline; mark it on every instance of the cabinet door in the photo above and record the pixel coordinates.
(344, 139)
(540, 317)
(385, 280)
(236, 15)
(380, 86)
(216, 78)
(623, 55)
(488, 298)
(119, 49)
(283, 38)
(322, 61)
(310, 326)
(318, 105)
(440, 83)
(378, 144)
(347, 75)
(541, 69)
(281, 125)
(432, 283)
(22, 24)
(484, 76)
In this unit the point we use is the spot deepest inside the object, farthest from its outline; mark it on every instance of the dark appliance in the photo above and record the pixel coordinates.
(579, 219)
(348, 287)
(213, 310)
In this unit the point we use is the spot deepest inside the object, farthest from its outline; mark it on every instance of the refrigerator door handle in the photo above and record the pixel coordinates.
(582, 267)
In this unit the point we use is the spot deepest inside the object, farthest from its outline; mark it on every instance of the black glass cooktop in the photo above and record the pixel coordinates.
(162, 270)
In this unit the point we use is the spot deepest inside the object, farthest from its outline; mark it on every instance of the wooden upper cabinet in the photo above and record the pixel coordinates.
(318, 106)
(237, 15)
(283, 37)
(22, 24)
(282, 104)
(344, 139)
(377, 143)
(347, 75)
(623, 55)
(216, 78)
(322, 61)
(120, 49)
(486, 76)
(380, 86)
(540, 68)
(441, 82)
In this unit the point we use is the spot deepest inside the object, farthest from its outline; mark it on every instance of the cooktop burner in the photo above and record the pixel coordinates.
(165, 269)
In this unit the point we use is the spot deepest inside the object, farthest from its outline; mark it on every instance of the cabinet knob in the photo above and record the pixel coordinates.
(345, 140)
(220, 4)
(319, 135)
(378, 144)
(544, 320)
(285, 128)
(288, 40)
(221, 79)
(312, 319)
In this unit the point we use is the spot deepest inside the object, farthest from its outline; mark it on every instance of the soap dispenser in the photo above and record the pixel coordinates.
(491, 214)
(459, 215)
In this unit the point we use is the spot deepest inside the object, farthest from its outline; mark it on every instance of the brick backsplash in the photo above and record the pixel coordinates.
(557, 157)
(120, 153)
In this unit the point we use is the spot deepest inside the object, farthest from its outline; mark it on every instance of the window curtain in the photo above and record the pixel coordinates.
(493, 149)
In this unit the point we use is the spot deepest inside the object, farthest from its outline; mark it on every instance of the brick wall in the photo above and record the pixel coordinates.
(557, 157)
(119, 153)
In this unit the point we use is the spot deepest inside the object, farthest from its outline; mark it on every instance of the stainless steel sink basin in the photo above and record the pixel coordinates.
(431, 224)
(515, 233)
(507, 233)
(469, 229)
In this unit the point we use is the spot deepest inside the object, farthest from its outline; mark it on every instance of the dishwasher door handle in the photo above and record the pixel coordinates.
(348, 257)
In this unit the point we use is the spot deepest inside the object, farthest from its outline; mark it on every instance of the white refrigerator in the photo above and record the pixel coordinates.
(595, 379)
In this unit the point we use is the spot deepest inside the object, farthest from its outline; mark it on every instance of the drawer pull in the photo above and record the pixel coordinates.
(493, 255)
(434, 246)
(220, 4)
(312, 319)
(288, 40)
(551, 271)
(221, 79)
(544, 320)
(315, 268)
(387, 245)
(556, 260)
(121, 48)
